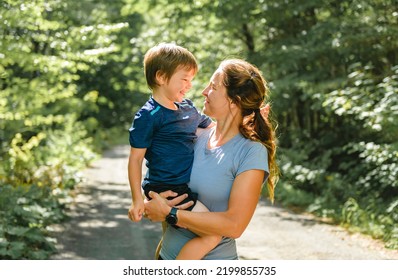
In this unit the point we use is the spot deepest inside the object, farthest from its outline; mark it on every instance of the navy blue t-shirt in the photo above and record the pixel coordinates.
(168, 135)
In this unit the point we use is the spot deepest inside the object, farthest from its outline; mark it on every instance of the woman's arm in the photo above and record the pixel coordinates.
(243, 200)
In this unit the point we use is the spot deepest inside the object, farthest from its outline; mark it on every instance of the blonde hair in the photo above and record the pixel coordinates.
(166, 58)
(247, 88)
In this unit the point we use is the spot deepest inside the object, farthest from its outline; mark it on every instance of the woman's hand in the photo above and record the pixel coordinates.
(159, 207)
(265, 111)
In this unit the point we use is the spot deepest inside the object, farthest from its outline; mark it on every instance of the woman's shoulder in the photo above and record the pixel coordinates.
(251, 144)
(250, 150)
(250, 155)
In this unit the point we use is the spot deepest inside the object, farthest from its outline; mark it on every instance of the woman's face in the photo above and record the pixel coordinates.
(216, 102)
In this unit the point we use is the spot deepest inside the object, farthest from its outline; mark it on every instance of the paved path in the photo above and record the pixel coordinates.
(99, 228)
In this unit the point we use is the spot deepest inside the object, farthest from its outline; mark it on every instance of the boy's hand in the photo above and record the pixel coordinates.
(136, 211)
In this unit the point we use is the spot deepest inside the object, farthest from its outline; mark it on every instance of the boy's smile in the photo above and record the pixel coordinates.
(175, 89)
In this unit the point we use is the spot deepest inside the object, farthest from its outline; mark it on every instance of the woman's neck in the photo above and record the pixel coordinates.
(225, 130)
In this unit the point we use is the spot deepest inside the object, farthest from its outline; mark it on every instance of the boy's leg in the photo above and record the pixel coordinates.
(198, 247)
(200, 207)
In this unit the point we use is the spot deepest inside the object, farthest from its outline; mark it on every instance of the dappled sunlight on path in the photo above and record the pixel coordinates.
(279, 234)
(98, 227)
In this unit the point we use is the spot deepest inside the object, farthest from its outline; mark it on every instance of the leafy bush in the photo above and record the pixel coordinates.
(25, 214)
(351, 173)
(46, 126)
(38, 175)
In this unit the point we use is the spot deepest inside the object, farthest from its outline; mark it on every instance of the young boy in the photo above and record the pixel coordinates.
(163, 132)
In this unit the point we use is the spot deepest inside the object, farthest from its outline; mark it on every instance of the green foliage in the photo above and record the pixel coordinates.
(71, 79)
(25, 216)
(48, 124)
(370, 100)
(381, 223)
(379, 167)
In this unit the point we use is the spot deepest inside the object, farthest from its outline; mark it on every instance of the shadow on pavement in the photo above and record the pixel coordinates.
(98, 227)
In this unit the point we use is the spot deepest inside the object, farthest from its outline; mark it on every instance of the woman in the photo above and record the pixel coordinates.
(232, 161)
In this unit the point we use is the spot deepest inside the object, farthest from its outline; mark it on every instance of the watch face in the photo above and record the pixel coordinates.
(171, 219)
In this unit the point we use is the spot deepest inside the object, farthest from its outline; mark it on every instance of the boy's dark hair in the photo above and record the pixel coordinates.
(166, 58)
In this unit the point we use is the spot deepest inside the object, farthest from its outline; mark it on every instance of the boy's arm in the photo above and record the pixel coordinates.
(211, 125)
(135, 177)
(201, 130)
(206, 123)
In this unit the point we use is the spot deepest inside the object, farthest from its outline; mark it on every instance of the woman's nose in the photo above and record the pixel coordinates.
(205, 91)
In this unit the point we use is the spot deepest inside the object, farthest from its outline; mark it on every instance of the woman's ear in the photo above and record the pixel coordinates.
(233, 107)
(234, 103)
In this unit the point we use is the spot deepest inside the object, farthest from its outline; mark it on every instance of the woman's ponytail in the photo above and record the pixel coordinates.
(247, 88)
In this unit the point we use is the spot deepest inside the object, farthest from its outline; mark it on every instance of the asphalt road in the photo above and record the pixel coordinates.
(98, 228)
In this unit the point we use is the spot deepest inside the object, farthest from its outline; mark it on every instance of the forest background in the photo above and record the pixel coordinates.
(71, 79)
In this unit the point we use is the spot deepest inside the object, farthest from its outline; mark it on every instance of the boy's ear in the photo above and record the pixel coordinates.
(160, 78)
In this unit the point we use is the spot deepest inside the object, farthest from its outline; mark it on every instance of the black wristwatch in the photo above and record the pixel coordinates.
(171, 218)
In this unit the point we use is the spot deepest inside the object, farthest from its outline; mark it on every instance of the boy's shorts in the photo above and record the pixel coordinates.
(179, 189)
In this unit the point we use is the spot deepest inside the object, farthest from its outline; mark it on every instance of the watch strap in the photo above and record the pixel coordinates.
(173, 211)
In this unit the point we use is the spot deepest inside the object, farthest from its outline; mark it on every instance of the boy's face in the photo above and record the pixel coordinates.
(178, 85)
